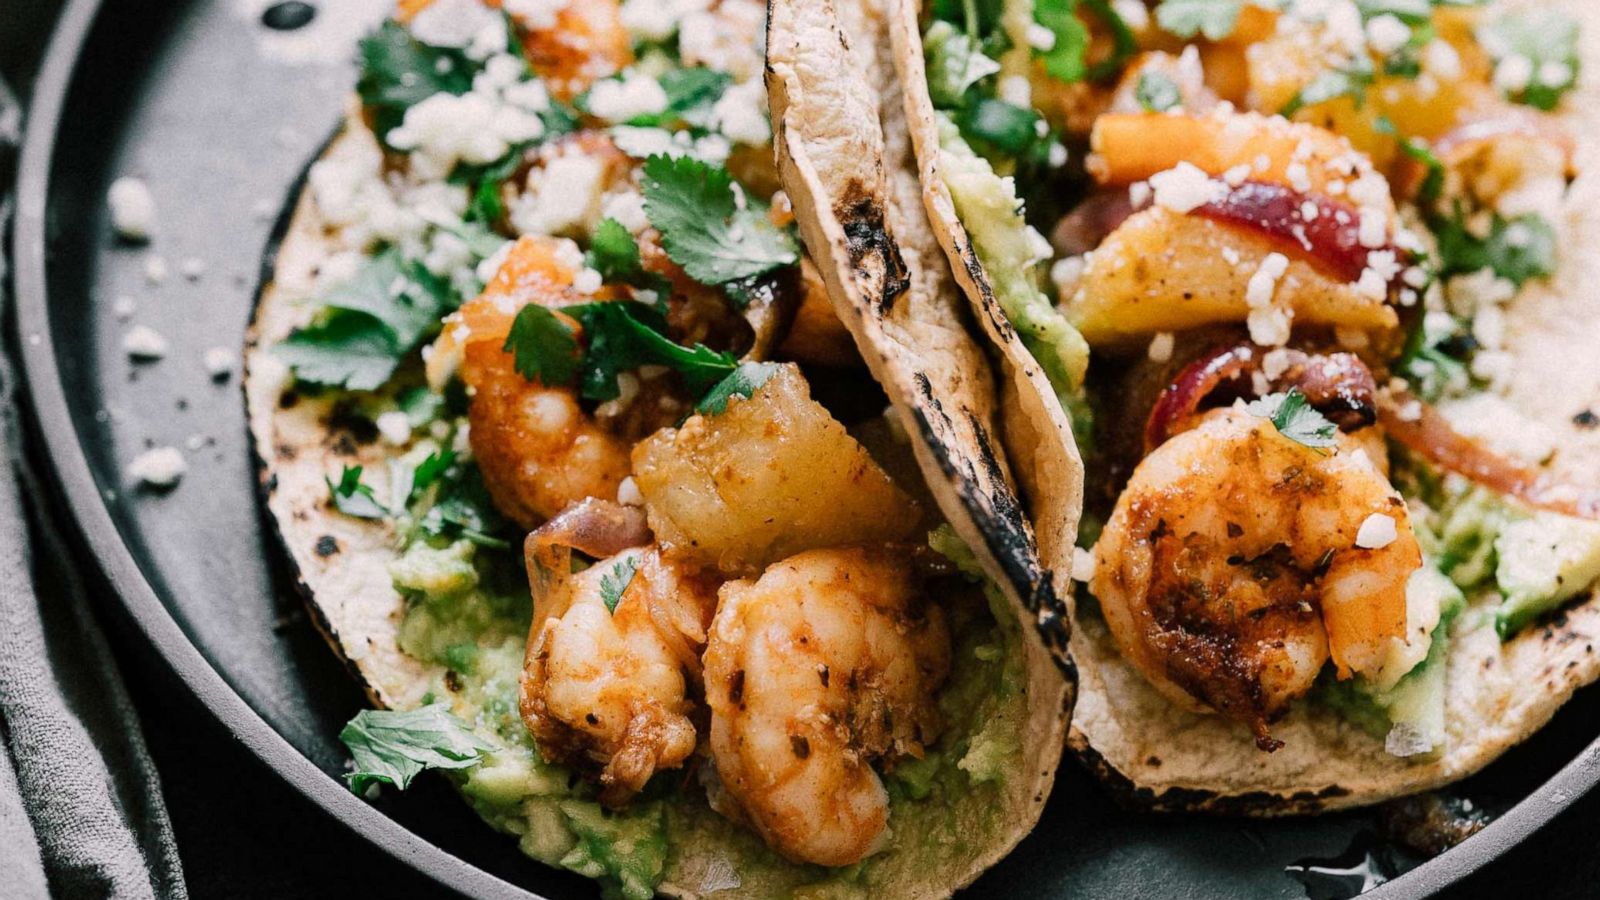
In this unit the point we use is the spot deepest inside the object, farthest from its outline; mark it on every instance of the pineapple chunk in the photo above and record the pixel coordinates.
(770, 476)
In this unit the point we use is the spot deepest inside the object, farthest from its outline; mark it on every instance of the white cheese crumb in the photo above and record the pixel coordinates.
(1133, 13)
(562, 197)
(158, 467)
(1065, 274)
(1386, 34)
(155, 269)
(1082, 564)
(1185, 187)
(133, 209)
(627, 208)
(1373, 232)
(1513, 74)
(1041, 38)
(1554, 73)
(536, 14)
(192, 268)
(587, 281)
(394, 426)
(1441, 60)
(656, 20)
(1275, 363)
(219, 362)
(1299, 177)
(1377, 531)
(1139, 194)
(1016, 90)
(144, 343)
(1160, 349)
(740, 113)
(1236, 175)
(628, 493)
(123, 307)
(452, 23)
(1258, 292)
(621, 99)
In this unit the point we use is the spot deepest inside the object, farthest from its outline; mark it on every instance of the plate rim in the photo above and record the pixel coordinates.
(49, 412)
(69, 466)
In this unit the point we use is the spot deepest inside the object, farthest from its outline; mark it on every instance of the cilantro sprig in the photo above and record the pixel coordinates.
(368, 324)
(619, 336)
(614, 253)
(393, 747)
(1157, 92)
(1294, 417)
(398, 72)
(1545, 44)
(704, 228)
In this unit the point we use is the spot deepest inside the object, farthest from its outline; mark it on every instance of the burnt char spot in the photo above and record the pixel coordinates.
(800, 746)
(990, 306)
(823, 675)
(999, 516)
(452, 681)
(1586, 419)
(327, 545)
(873, 251)
(345, 417)
(736, 686)
(288, 400)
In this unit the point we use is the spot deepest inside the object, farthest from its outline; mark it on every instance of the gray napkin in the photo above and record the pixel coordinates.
(81, 811)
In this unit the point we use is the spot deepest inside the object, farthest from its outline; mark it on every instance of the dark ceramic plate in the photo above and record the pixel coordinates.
(219, 114)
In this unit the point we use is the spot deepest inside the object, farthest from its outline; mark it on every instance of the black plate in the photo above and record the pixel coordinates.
(201, 101)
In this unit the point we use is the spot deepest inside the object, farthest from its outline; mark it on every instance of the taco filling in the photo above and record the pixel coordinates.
(1296, 239)
(543, 325)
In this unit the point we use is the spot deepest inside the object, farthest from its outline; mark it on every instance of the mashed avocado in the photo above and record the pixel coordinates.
(1010, 251)
(1543, 561)
(469, 613)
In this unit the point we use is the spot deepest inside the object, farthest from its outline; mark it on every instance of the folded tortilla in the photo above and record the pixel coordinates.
(1155, 754)
(890, 284)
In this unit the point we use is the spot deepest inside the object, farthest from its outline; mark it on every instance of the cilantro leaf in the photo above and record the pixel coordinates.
(398, 72)
(459, 506)
(998, 125)
(741, 382)
(369, 323)
(1124, 43)
(391, 747)
(1295, 418)
(1156, 92)
(616, 581)
(1517, 250)
(1545, 44)
(614, 253)
(1065, 60)
(955, 63)
(430, 470)
(1435, 357)
(543, 345)
(691, 93)
(1215, 19)
(345, 349)
(623, 336)
(1433, 183)
(702, 228)
(353, 498)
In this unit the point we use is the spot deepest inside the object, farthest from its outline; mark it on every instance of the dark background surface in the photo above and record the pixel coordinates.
(244, 834)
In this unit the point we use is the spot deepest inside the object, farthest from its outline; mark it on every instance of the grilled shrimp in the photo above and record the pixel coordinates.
(606, 691)
(1230, 570)
(538, 450)
(825, 664)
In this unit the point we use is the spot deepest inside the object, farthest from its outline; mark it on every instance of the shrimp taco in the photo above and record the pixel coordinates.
(540, 323)
(1314, 304)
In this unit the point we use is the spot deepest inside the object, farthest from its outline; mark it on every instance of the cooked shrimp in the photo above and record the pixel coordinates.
(825, 664)
(1230, 571)
(606, 691)
(537, 448)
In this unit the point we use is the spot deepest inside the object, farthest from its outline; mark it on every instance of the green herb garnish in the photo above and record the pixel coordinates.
(391, 747)
(616, 581)
(741, 382)
(1156, 92)
(1295, 418)
(703, 228)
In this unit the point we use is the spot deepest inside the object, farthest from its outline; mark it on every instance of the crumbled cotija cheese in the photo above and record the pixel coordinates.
(1376, 532)
(133, 208)
(158, 467)
(1185, 187)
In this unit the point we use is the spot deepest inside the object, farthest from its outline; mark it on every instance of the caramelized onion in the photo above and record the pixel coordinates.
(1338, 385)
(1426, 431)
(1329, 240)
(594, 527)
